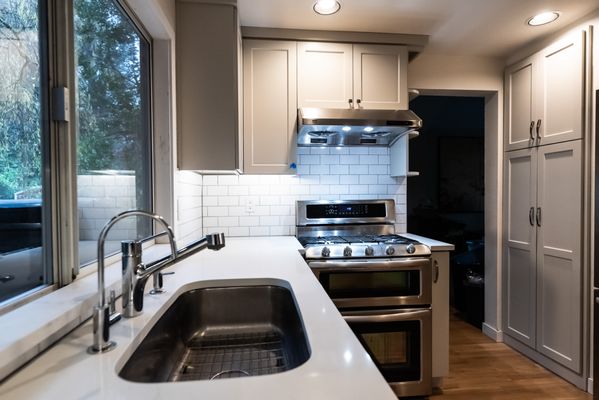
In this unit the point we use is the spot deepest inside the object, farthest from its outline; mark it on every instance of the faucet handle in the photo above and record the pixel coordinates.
(113, 316)
(216, 241)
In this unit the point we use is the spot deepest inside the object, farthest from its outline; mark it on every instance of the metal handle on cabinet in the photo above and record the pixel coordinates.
(351, 103)
(6, 278)
(532, 126)
(538, 216)
(539, 129)
(531, 216)
(359, 102)
(436, 269)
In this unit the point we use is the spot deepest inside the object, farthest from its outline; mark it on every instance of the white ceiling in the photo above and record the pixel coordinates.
(462, 27)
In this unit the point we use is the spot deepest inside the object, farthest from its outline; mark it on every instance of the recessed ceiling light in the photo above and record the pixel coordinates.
(543, 18)
(326, 7)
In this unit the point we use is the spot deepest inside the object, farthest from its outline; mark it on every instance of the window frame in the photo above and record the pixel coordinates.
(59, 146)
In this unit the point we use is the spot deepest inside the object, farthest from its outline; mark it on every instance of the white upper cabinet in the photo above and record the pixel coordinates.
(324, 75)
(336, 75)
(562, 83)
(270, 107)
(380, 77)
(544, 95)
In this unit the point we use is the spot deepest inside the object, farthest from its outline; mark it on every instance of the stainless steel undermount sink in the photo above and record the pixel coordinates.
(222, 332)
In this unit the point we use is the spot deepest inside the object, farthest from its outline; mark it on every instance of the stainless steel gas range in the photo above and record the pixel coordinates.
(379, 281)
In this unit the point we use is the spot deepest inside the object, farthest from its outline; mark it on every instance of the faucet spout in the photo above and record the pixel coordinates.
(131, 258)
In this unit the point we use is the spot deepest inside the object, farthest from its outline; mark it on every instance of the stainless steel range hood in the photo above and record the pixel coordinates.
(353, 127)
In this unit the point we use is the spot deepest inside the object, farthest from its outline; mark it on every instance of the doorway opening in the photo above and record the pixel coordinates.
(446, 201)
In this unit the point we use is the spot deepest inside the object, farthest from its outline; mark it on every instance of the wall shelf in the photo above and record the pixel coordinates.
(399, 152)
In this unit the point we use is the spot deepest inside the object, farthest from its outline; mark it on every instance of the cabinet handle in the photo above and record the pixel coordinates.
(351, 103)
(436, 267)
(531, 216)
(532, 125)
(538, 216)
(539, 129)
(359, 102)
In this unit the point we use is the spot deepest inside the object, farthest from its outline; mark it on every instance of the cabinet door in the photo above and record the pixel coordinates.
(559, 297)
(324, 75)
(270, 108)
(520, 245)
(380, 77)
(440, 307)
(519, 112)
(561, 92)
(207, 87)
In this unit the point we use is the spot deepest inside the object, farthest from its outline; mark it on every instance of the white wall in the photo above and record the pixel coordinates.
(188, 221)
(475, 76)
(257, 205)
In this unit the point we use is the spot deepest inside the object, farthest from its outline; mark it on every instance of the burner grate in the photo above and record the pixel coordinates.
(228, 356)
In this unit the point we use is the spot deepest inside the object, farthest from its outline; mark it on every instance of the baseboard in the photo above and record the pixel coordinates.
(492, 333)
(590, 385)
(577, 380)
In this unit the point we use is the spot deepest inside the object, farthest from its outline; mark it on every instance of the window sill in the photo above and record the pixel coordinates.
(28, 330)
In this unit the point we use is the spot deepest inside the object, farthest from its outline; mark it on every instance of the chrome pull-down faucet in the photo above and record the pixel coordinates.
(135, 274)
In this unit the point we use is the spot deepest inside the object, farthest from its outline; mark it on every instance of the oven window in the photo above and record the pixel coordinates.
(394, 348)
(371, 284)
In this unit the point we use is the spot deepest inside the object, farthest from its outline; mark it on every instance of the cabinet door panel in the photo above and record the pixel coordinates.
(207, 88)
(558, 254)
(519, 104)
(520, 239)
(269, 106)
(562, 90)
(380, 76)
(324, 75)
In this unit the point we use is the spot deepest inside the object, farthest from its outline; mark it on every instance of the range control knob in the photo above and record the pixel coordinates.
(410, 248)
(326, 252)
(347, 251)
(390, 250)
(369, 251)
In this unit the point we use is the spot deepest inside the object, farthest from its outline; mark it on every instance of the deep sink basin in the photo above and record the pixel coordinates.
(222, 332)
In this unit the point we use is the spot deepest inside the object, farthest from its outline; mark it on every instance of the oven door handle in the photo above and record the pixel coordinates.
(370, 265)
(388, 317)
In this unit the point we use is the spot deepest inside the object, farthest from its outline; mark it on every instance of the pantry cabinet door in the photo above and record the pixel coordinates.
(380, 77)
(324, 75)
(520, 115)
(561, 92)
(520, 245)
(559, 273)
(270, 108)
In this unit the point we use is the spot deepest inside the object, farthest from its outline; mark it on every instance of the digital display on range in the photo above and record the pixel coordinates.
(376, 210)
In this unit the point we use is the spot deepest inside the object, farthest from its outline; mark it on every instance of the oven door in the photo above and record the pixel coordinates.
(375, 283)
(399, 342)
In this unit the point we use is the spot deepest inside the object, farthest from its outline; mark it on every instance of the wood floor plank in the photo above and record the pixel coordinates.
(480, 369)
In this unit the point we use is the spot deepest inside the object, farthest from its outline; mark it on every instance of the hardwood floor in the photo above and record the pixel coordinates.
(481, 369)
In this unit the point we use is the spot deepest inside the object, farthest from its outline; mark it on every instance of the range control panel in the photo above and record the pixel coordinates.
(375, 210)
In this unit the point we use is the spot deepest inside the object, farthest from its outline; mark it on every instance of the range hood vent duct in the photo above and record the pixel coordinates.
(353, 127)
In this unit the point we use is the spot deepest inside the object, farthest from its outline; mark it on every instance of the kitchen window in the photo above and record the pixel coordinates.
(64, 171)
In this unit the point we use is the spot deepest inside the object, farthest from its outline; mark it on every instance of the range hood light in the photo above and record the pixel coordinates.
(368, 129)
(543, 18)
(346, 129)
(326, 7)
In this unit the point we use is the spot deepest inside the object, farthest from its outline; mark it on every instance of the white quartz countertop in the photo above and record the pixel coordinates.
(338, 367)
(434, 245)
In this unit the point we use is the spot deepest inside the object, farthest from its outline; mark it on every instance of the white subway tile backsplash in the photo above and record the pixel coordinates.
(320, 169)
(358, 169)
(329, 180)
(329, 159)
(349, 179)
(257, 205)
(239, 231)
(259, 231)
(339, 169)
(349, 159)
(359, 150)
(368, 179)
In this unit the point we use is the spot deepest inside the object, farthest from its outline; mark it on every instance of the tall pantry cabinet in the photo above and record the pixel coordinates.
(543, 185)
